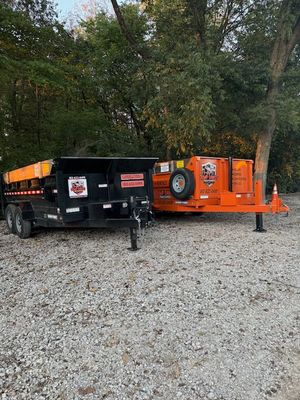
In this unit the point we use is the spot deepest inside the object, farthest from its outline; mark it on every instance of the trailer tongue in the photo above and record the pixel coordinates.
(211, 184)
(80, 192)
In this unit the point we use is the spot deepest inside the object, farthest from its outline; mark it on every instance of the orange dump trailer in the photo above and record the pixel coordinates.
(211, 184)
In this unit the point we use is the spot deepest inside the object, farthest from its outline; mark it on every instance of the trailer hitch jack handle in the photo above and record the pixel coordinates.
(133, 230)
(133, 239)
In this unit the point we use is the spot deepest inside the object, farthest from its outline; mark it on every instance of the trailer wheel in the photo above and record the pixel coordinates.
(182, 183)
(10, 218)
(23, 227)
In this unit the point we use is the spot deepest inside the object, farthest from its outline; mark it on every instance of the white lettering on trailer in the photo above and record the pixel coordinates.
(181, 202)
(71, 210)
(238, 195)
(204, 197)
(102, 185)
(52, 216)
(106, 205)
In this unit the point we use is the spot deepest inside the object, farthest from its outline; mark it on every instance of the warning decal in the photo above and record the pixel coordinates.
(132, 184)
(180, 164)
(129, 177)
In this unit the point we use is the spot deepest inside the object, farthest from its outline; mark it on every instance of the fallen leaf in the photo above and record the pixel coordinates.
(86, 390)
(125, 358)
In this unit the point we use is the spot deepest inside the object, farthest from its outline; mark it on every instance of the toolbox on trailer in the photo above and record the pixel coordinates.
(79, 192)
(211, 184)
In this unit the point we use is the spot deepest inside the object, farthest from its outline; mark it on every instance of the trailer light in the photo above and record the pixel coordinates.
(107, 206)
(28, 192)
(72, 210)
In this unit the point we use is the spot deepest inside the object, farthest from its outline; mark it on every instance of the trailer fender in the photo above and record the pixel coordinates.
(26, 208)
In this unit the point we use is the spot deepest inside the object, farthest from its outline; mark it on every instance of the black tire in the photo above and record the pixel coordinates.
(182, 183)
(23, 227)
(10, 218)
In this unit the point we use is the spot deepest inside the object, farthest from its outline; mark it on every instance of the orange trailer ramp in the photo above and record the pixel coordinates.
(211, 184)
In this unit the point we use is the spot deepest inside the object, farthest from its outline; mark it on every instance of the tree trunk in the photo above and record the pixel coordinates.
(14, 108)
(126, 32)
(287, 38)
(38, 115)
(198, 10)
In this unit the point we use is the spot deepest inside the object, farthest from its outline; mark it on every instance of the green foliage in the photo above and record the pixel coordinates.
(200, 90)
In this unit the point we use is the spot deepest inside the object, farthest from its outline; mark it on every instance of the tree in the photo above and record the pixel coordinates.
(287, 36)
(164, 78)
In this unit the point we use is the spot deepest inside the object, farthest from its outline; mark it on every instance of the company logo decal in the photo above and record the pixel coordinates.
(209, 173)
(77, 187)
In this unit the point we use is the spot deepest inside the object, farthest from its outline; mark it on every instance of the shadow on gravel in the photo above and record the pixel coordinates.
(203, 218)
(40, 232)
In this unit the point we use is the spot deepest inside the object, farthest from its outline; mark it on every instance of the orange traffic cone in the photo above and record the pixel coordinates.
(275, 193)
(275, 198)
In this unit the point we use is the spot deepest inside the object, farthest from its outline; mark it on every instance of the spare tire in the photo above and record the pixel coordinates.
(182, 183)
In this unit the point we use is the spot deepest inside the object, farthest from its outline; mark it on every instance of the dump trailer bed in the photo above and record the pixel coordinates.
(211, 184)
(79, 192)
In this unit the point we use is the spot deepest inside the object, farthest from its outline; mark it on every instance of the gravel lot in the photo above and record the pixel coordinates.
(208, 309)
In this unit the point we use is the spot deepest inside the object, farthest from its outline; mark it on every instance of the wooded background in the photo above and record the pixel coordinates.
(161, 78)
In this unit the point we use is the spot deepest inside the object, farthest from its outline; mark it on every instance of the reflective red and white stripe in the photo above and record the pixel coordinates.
(132, 184)
(129, 177)
(132, 180)
(22, 193)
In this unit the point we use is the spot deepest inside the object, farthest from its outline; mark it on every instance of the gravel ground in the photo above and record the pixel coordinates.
(208, 309)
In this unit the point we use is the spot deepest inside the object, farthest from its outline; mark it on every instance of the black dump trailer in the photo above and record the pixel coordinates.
(79, 192)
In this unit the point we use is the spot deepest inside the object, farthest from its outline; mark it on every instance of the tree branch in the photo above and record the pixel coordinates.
(126, 32)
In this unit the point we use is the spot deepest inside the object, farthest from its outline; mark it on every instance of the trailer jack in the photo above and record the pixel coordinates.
(259, 223)
(133, 239)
